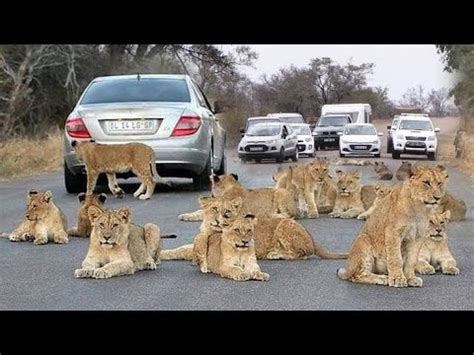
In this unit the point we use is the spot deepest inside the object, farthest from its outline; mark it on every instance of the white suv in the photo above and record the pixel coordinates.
(415, 135)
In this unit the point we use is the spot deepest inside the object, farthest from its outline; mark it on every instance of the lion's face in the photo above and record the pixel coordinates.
(220, 213)
(437, 225)
(406, 165)
(382, 190)
(38, 205)
(347, 182)
(110, 228)
(240, 232)
(223, 183)
(318, 170)
(87, 201)
(428, 184)
(210, 206)
(380, 166)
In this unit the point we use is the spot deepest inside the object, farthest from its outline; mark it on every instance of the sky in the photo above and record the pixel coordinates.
(397, 67)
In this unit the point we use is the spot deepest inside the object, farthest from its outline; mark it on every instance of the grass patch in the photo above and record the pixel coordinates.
(27, 156)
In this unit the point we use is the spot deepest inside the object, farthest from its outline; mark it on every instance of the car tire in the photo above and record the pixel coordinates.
(313, 155)
(389, 146)
(377, 155)
(342, 155)
(202, 181)
(431, 155)
(223, 168)
(281, 157)
(395, 154)
(74, 183)
(295, 156)
(258, 161)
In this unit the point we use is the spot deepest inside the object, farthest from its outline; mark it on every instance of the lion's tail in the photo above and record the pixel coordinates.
(191, 216)
(4, 235)
(320, 251)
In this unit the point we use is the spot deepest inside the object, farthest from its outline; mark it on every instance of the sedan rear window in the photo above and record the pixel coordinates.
(133, 90)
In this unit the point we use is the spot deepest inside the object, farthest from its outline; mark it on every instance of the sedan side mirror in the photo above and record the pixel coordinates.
(380, 134)
(437, 130)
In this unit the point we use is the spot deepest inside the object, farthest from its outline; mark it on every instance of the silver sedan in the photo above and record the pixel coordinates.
(169, 113)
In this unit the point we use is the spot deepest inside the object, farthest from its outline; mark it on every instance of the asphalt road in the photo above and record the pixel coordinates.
(41, 277)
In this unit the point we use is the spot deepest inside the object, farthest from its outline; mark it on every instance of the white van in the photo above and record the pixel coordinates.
(360, 113)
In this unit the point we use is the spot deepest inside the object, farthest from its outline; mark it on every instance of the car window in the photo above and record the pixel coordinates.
(325, 121)
(133, 90)
(264, 129)
(417, 125)
(302, 130)
(359, 130)
(199, 96)
(264, 120)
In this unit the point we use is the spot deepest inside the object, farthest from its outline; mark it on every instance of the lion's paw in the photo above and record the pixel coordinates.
(415, 282)
(102, 274)
(262, 276)
(450, 270)
(150, 265)
(397, 281)
(426, 270)
(40, 241)
(241, 277)
(204, 269)
(83, 273)
(144, 197)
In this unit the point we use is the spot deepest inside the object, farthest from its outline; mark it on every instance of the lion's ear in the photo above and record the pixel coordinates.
(442, 170)
(447, 215)
(216, 178)
(30, 194)
(339, 172)
(81, 197)
(48, 195)
(205, 201)
(356, 174)
(376, 163)
(237, 202)
(94, 213)
(250, 217)
(125, 214)
(235, 176)
(102, 197)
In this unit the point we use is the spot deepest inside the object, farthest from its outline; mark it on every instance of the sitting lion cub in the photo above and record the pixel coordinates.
(349, 195)
(381, 191)
(386, 250)
(43, 222)
(434, 254)
(119, 247)
(83, 228)
(232, 253)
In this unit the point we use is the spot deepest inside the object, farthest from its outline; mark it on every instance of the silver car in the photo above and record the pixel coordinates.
(167, 112)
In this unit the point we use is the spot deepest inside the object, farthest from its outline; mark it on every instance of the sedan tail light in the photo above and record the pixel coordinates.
(186, 126)
(76, 128)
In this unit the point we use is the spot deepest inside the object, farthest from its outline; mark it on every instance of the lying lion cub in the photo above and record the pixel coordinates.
(435, 254)
(118, 247)
(232, 254)
(349, 195)
(43, 222)
(261, 202)
(83, 228)
(119, 158)
(386, 250)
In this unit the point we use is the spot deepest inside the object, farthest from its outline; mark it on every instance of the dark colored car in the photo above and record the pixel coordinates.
(326, 131)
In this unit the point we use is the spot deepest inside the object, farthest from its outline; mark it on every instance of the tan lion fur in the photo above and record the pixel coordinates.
(434, 253)
(84, 227)
(386, 249)
(381, 190)
(119, 158)
(43, 222)
(383, 172)
(119, 247)
(349, 195)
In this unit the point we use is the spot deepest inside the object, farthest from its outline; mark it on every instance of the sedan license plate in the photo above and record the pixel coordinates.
(256, 149)
(130, 126)
(360, 147)
(329, 139)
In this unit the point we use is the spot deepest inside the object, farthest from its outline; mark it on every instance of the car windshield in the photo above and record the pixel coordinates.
(332, 121)
(250, 123)
(264, 129)
(360, 131)
(416, 125)
(133, 90)
(302, 130)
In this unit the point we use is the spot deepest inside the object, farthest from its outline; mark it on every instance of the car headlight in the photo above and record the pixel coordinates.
(431, 138)
(308, 139)
(315, 133)
(400, 136)
(374, 142)
(343, 141)
(273, 141)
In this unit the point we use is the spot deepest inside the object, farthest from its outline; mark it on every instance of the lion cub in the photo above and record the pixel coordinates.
(383, 172)
(381, 191)
(404, 171)
(435, 254)
(232, 253)
(119, 158)
(119, 247)
(44, 221)
(385, 252)
(83, 228)
(349, 195)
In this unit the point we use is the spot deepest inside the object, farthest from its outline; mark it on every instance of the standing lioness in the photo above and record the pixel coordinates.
(390, 240)
(119, 158)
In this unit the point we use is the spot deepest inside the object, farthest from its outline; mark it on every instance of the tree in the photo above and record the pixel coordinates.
(378, 99)
(416, 97)
(438, 101)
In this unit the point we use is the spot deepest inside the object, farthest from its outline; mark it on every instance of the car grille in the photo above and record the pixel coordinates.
(415, 145)
(360, 146)
(416, 138)
(260, 147)
(329, 133)
(301, 147)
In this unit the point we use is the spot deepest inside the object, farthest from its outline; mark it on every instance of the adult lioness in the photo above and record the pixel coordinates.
(349, 195)
(434, 253)
(43, 222)
(119, 158)
(84, 227)
(260, 202)
(118, 247)
(389, 242)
